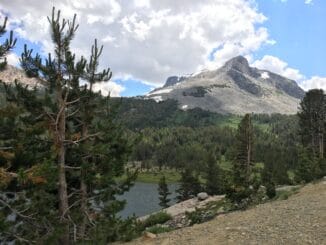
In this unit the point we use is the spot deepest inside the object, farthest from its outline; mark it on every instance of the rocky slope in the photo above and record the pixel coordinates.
(299, 220)
(235, 88)
(11, 73)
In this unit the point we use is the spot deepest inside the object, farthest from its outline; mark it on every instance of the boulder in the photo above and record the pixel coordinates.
(149, 235)
(202, 196)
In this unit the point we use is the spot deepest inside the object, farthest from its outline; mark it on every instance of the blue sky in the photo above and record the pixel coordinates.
(300, 34)
(145, 41)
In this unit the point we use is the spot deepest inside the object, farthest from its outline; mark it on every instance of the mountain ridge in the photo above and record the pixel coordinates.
(251, 90)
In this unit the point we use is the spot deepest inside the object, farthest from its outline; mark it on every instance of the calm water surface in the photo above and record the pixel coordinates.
(142, 199)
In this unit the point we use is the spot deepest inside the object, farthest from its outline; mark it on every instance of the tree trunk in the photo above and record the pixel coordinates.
(83, 206)
(321, 145)
(83, 190)
(248, 151)
(63, 196)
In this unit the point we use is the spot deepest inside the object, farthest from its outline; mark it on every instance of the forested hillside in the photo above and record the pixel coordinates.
(169, 137)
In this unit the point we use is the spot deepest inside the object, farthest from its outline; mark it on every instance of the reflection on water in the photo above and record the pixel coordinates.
(142, 199)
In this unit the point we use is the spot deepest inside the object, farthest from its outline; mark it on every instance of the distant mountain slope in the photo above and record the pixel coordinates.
(235, 88)
(11, 73)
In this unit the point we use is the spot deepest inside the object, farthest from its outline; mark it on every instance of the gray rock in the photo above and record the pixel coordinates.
(258, 91)
(202, 196)
(173, 80)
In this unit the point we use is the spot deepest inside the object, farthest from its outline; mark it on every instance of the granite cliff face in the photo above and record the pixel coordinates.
(235, 88)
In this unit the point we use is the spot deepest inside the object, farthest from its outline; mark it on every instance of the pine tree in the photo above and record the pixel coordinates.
(268, 180)
(61, 72)
(163, 191)
(242, 164)
(306, 169)
(214, 183)
(67, 145)
(189, 185)
(244, 152)
(7, 46)
(312, 117)
(6, 131)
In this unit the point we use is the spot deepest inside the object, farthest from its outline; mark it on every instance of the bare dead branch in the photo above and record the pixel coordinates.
(19, 213)
(73, 113)
(6, 148)
(89, 219)
(71, 167)
(73, 102)
(76, 142)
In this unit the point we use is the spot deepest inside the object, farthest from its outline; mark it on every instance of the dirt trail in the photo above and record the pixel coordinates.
(299, 220)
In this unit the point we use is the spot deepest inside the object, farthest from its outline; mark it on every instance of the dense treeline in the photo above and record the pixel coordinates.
(275, 143)
(140, 113)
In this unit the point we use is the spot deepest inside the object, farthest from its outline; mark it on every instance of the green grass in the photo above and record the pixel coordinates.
(232, 122)
(171, 176)
(291, 175)
(153, 177)
(225, 165)
(263, 126)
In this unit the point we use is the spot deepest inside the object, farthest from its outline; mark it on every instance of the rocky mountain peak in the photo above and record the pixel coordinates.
(234, 88)
(173, 80)
(238, 63)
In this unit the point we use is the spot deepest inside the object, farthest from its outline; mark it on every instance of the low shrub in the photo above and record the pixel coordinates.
(157, 218)
(200, 216)
(157, 229)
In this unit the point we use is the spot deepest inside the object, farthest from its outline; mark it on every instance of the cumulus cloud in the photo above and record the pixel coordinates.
(276, 65)
(13, 59)
(279, 66)
(308, 1)
(109, 88)
(314, 82)
(150, 40)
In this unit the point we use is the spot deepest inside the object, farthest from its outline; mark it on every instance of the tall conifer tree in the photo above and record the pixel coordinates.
(312, 118)
(244, 152)
(163, 191)
(69, 150)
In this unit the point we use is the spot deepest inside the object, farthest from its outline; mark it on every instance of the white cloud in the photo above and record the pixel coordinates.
(13, 59)
(279, 66)
(151, 40)
(109, 88)
(314, 82)
(142, 3)
(276, 65)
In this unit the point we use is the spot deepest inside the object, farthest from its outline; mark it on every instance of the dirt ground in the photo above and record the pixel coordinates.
(301, 219)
